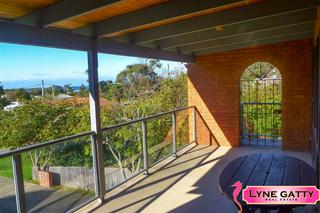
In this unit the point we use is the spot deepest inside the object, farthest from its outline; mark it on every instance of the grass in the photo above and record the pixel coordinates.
(6, 167)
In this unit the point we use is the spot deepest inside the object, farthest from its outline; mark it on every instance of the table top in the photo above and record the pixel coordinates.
(266, 170)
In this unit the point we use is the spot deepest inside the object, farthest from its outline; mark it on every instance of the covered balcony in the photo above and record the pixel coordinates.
(253, 93)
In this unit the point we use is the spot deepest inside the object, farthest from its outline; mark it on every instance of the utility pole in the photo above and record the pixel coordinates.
(42, 88)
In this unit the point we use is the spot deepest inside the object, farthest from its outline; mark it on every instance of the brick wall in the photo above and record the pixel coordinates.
(214, 82)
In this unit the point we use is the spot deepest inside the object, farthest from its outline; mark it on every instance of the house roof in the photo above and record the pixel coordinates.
(63, 96)
(165, 29)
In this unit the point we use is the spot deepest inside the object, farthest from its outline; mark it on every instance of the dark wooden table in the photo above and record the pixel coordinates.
(266, 170)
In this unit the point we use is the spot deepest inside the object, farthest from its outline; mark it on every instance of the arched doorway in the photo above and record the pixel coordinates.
(260, 105)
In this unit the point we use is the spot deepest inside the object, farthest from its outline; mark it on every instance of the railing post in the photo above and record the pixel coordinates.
(97, 146)
(174, 134)
(18, 183)
(195, 125)
(145, 147)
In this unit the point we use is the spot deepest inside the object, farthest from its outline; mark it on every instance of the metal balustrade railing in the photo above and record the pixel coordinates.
(148, 140)
(17, 167)
(144, 153)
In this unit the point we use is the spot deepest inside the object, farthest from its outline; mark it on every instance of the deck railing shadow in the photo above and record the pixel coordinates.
(178, 175)
(34, 201)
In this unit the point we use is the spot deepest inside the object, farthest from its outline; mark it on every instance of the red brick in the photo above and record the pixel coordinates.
(214, 88)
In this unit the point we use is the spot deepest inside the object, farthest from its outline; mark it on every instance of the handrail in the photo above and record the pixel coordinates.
(145, 118)
(40, 145)
(17, 162)
(60, 140)
(254, 103)
(276, 79)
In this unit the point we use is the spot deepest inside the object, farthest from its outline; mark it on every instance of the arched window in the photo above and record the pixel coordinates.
(260, 105)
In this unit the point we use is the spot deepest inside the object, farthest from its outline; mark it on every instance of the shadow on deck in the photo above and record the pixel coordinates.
(188, 184)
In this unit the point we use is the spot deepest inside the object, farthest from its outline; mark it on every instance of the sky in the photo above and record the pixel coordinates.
(25, 66)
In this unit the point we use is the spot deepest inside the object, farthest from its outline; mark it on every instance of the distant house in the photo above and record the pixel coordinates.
(12, 105)
(63, 96)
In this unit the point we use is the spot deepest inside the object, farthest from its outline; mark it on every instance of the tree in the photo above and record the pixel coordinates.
(20, 127)
(44, 120)
(67, 88)
(39, 120)
(139, 81)
(1, 89)
(125, 143)
(83, 91)
(22, 95)
(3, 103)
(139, 92)
(115, 92)
(105, 86)
(11, 95)
(174, 90)
(36, 92)
(261, 83)
(54, 90)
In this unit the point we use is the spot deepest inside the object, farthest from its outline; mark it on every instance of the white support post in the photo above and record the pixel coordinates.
(97, 146)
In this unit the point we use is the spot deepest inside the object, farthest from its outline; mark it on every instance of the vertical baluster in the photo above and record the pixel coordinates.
(195, 138)
(145, 147)
(249, 113)
(174, 134)
(18, 183)
(96, 168)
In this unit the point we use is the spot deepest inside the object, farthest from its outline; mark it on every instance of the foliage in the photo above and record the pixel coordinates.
(1, 90)
(259, 71)
(67, 89)
(145, 93)
(18, 95)
(35, 92)
(73, 153)
(105, 86)
(261, 83)
(23, 95)
(139, 81)
(83, 92)
(115, 92)
(174, 90)
(139, 91)
(37, 121)
(125, 143)
(3, 103)
(54, 90)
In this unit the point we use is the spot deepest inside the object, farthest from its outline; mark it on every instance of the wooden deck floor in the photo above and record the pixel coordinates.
(188, 184)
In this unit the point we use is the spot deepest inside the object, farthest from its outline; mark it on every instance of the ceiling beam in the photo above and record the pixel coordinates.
(279, 31)
(28, 35)
(61, 11)
(173, 10)
(282, 20)
(237, 15)
(119, 48)
(254, 43)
